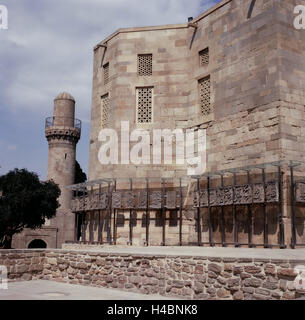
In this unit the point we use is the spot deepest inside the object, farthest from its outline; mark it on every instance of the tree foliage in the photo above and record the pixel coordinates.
(25, 203)
(80, 176)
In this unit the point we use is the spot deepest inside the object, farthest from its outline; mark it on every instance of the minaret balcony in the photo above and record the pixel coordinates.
(63, 128)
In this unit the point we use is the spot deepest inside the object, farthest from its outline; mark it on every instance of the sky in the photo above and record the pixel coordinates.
(47, 49)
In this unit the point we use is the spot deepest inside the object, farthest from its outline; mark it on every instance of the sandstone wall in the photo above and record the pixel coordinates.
(190, 277)
(255, 61)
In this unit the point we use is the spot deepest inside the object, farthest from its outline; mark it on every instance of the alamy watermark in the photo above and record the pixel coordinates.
(3, 17)
(299, 281)
(3, 278)
(299, 20)
(146, 150)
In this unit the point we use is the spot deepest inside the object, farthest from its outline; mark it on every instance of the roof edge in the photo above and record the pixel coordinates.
(163, 27)
(139, 29)
(211, 10)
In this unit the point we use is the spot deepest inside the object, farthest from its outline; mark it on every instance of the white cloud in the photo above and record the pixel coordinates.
(48, 47)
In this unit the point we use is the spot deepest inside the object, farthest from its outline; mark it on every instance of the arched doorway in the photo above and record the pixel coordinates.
(37, 244)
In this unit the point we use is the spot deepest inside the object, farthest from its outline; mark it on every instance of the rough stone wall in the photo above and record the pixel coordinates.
(23, 265)
(187, 277)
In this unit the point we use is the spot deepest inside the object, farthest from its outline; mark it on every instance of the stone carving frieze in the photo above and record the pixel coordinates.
(129, 200)
(103, 201)
(201, 198)
(213, 197)
(300, 192)
(227, 196)
(272, 192)
(171, 200)
(116, 200)
(258, 193)
(243, 194)
(239, 195)
(156, 201)
(82, 204)
(142, 200)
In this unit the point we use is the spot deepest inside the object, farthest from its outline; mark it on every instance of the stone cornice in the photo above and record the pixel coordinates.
(62, 134)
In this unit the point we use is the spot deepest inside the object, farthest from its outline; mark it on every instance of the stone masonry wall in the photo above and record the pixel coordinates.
(23, 265)
(189, 277)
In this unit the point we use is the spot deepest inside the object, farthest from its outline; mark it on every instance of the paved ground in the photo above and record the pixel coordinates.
(50, 290)
(290, 254)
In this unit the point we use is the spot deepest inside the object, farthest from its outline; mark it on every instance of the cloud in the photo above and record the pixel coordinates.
(48, 48)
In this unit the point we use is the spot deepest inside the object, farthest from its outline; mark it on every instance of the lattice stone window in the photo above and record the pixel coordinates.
(105, 111)
(204, 57)
(144, 104)
(106, 73)
(205, 95)
(145, 64)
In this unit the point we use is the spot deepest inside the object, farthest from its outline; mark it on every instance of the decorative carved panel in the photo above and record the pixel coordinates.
(220, 197)
(85, 203)
(82, 204)
(300, 192)
(227, 196)
(171, 200)
(103, 201)
(201, 200)
(204, 57)
(213, 197)
(243, 194)
(89, 203)
(144, 105)
(258, 193)
(142, 200)
(272, 192)
(106, 73)
(204, 198)
(156, 200)
(116, 200)
(145, 64)
(129, 200)
(205, 96)
(105, 104)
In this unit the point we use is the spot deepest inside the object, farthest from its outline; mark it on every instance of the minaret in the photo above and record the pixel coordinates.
(63, 132)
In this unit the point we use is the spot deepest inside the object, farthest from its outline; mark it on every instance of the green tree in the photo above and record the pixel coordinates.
(25, 203)
(80, 176)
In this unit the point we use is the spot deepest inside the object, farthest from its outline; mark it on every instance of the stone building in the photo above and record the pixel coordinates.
(237, 71)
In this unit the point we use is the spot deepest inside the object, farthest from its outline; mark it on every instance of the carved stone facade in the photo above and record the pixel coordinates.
(237, 71)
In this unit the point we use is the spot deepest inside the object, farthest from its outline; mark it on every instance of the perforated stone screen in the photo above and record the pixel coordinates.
(205, 95)
(204, 57)
(105, 111)
(144, 104)
(145, 64)
(106, 73)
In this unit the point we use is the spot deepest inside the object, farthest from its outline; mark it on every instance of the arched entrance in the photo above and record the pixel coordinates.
(37, 244)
